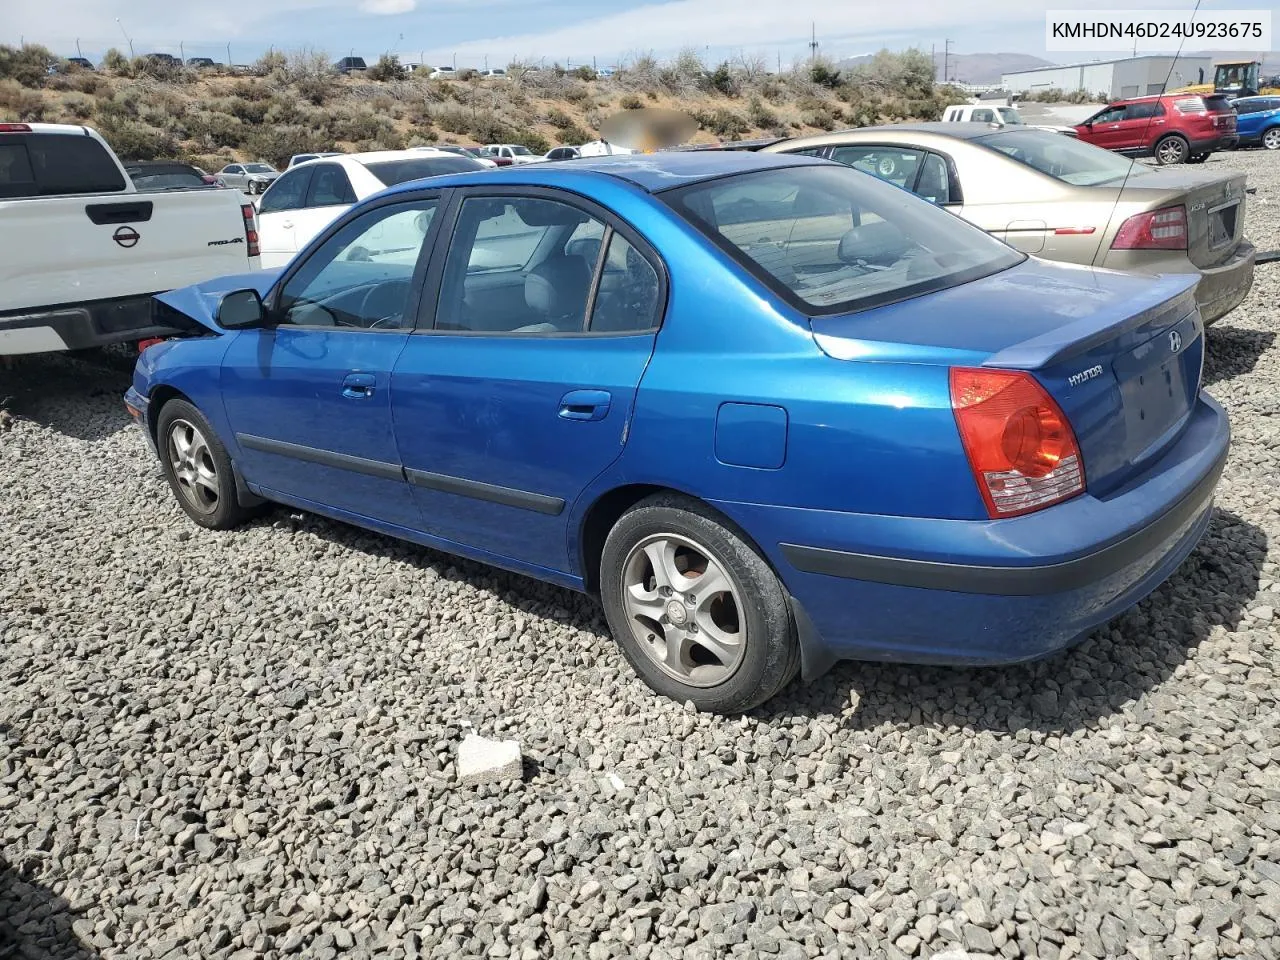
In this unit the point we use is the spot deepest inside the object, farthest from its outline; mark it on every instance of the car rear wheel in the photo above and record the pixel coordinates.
(1171, 149)
(1271, 139)
(197, 467)
(698, 613)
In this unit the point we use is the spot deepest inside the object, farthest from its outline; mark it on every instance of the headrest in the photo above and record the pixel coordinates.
(557, 287)
(880, 242)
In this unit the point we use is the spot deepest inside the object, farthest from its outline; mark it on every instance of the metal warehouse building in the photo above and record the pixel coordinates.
(1129, 77)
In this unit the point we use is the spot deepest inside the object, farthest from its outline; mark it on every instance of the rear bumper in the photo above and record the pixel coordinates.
(923, 590)
(1221, 288)
(80, 326)
(1210, 144)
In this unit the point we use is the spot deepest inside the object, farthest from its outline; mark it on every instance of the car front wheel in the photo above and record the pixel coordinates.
(197, 467)
(1271, 139)
(698, 613)
(1171, 150)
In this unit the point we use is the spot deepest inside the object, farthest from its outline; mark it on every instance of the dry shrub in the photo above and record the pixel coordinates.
(18, 103)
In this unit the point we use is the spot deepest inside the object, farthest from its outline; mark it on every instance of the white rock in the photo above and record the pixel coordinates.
(489, 761)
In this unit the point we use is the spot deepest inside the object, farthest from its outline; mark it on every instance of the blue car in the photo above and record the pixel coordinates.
(1258, 121)
(774, 412)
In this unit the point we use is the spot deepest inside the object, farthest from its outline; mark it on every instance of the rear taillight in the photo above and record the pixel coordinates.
(15, 128)
(1164, 229)
(250, 230)
(1020, 446)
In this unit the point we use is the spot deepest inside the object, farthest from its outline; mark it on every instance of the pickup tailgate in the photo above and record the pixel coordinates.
(78, 249)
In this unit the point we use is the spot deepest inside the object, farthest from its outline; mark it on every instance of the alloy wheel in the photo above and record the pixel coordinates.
(1271, 139)
(193, 466)
(1169, 151)
(684, 609)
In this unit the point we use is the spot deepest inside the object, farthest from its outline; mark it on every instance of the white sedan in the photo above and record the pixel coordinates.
(308, 197)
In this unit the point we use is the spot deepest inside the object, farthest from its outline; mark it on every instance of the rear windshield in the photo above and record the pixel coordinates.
(520, 151)
(1063, 158)
(1009, 115)
(392, 172)
(1218, 104)
(164, 177)
(54, 164)
(830, 239)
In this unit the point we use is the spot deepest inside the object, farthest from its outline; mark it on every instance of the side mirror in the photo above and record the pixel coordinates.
(241, 310)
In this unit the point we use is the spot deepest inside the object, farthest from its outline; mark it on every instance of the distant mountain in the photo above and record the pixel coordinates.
(973, 67)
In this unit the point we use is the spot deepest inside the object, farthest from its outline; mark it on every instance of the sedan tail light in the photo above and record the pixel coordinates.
(251, 230)
(1022, 450)
(1164, 229)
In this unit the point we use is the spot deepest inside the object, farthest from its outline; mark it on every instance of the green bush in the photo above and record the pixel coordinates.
(356, 125)
(824, 75)
(316, 90)
(277, 144)
(249, 111)
(723, 123)
(270, 62)
(213, 130)
(451, 120)
(760, 115)
(559, 119)
(253, 90)
(536, 142)
(285, 110)
(116, 62)
(574, 135)
(135, 140)
(387, 68)
(631, 102)
(19, 103)
(721, 80)
(29, 64)
(583, 73)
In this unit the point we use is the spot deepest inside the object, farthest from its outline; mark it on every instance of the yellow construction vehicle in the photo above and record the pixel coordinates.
(1235, 78)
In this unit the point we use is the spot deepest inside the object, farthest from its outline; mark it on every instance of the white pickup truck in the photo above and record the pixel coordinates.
(998, 113)
(84, 251)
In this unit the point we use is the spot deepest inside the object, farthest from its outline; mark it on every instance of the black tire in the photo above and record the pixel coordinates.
(770, 656)
(1198, 158)
(1172, 149)
(211, 501)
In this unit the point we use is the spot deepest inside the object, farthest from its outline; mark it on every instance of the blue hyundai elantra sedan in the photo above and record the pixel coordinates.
(772, 411)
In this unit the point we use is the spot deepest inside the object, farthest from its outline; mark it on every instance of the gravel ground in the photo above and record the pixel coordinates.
(243, 745)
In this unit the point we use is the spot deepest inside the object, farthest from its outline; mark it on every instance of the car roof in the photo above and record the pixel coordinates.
(651, 172)
(966, 130)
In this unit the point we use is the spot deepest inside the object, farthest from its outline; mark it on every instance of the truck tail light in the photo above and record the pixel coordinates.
(1021, 448)
(1164, 229)
(251, 230)
(15, 128)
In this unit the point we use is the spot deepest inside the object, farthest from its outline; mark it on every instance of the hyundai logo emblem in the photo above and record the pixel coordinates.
(126, 237)
(1175, 342)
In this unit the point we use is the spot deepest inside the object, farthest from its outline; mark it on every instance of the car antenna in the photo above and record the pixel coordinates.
(1146, 129)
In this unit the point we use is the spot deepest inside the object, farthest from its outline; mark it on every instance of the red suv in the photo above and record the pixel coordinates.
(1173, 127)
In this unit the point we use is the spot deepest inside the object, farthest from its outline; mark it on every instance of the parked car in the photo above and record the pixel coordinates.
(252, 178)
(513, 153)
(298, 158)
(443, 73)
(165, 175)
(203, 63)
(999, 114)
(1173, 128)
(828, 420)
(1063, 199)
(475, 153)
(494, 74)
(84, 63)
(350, 65)
(95, 246)
(1258, 121)
(563, 153)
(309, 197)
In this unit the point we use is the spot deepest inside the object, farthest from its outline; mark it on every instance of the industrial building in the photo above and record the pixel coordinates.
(1128, 77)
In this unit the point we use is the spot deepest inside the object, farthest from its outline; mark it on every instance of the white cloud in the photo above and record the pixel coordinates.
(388, 7)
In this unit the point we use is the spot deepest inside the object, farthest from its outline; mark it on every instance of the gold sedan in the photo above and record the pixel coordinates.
(1060, 199)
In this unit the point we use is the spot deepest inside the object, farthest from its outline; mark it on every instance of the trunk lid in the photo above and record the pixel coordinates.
(1121, 354)
(1214, 203)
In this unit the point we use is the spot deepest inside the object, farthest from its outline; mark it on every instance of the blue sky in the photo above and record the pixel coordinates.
(557, 30)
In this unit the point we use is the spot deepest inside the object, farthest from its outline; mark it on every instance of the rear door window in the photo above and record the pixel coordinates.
(48, 165)
(1143, 111)
(287, 192)
(898, 165)
(329, 187)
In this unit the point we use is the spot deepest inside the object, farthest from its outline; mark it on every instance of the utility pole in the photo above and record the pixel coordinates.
(78, 53)
(228, 56)
(126, 37)
(933, 60)
(813, 44)
(182, 52)
(946, 60)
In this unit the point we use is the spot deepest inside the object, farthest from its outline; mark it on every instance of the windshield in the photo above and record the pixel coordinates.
(1063, 158)
(521, 151)
(1009, 115)
(830, 239)
(391, 172)
(259, 168)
